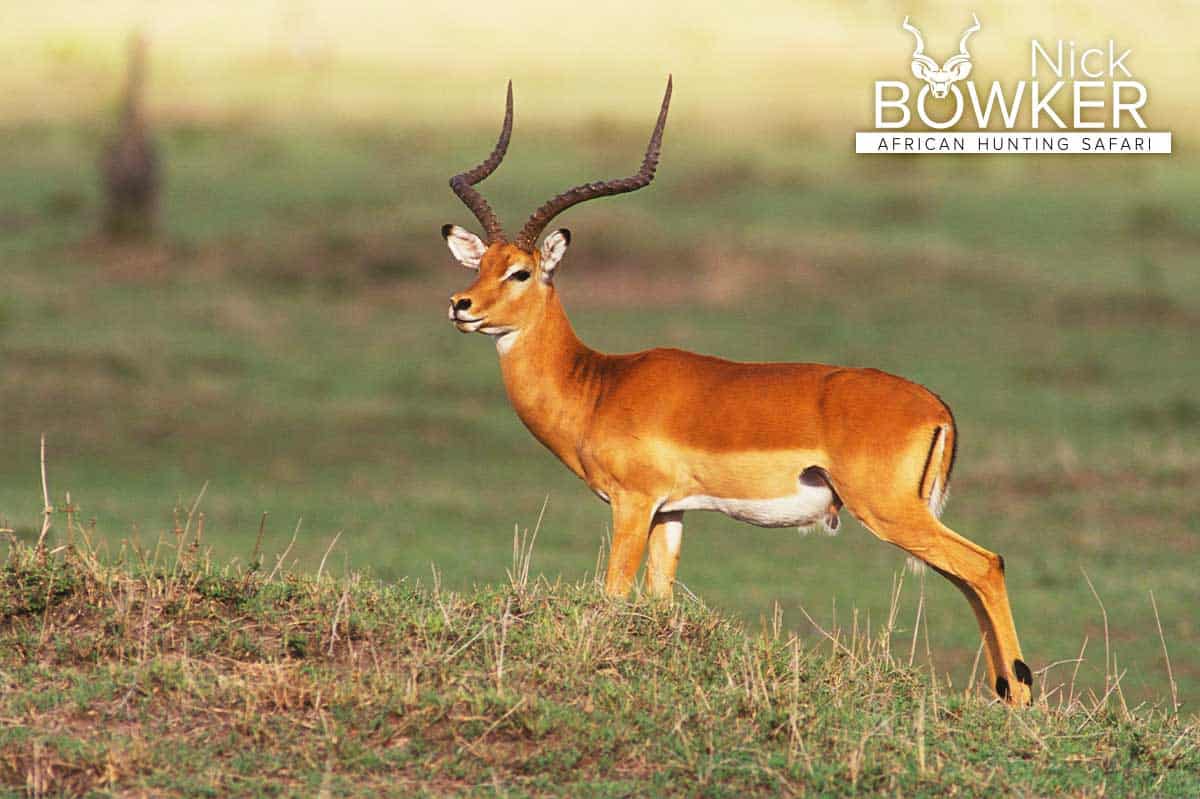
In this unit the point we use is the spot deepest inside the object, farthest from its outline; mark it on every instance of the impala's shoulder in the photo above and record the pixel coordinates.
(676, 354)
(699, 363)
(672, 358)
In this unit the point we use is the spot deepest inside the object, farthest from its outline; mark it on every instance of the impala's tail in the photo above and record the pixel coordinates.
(935, 482)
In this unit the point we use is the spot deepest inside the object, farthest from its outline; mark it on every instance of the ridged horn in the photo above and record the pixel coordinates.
(589, 191)
(463, 183)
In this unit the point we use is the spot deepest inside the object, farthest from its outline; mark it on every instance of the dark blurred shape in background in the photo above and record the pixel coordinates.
(129, 164)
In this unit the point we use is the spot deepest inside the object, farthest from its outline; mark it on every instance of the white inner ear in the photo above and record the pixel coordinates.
(465, 246)
(553, 249)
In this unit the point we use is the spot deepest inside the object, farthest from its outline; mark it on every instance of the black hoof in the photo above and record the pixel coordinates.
(1002, 688)
(1023, 673)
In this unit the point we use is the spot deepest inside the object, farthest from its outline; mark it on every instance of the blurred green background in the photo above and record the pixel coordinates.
(284, 339)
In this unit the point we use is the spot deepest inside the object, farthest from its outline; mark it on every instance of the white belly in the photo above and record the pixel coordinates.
(808, 507)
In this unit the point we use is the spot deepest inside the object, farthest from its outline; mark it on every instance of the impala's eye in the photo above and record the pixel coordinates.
(521, 275)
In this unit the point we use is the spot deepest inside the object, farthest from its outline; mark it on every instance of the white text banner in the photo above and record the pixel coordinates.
(1013, 143)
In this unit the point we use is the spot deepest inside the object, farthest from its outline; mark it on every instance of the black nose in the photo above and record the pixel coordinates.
(462, 304)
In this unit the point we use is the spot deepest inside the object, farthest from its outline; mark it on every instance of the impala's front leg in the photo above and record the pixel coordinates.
(666, 535)
(632, 517)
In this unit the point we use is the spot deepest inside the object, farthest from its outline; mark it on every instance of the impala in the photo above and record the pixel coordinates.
(664, 431)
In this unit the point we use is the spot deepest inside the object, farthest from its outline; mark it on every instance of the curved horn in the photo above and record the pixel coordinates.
(587, 191)
(962, 45)
(462, 183)
(920, 51)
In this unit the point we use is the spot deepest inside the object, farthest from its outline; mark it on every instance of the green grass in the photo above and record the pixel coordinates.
(170, 675)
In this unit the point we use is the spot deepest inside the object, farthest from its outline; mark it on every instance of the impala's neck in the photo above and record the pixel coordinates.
(551, 378)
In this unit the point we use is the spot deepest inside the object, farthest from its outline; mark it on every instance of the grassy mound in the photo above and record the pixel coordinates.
(184, 679)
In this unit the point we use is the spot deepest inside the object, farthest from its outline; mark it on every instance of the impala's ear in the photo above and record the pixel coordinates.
(552, 251)
(464, 245)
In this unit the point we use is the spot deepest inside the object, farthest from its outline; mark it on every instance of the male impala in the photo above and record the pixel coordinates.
(664, 431)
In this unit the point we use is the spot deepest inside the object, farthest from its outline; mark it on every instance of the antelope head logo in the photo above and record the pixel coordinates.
(956, 67)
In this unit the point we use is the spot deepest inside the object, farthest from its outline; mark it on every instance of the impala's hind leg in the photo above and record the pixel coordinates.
(897, 495)
(666, 535)
(979, 574)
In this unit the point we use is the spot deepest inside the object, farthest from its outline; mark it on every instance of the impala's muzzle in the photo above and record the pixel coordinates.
(460, 314)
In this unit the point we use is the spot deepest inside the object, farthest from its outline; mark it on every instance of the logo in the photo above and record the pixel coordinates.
(956, 67)
(1076, 100)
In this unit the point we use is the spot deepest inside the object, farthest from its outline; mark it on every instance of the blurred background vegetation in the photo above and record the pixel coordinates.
(283, 339)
